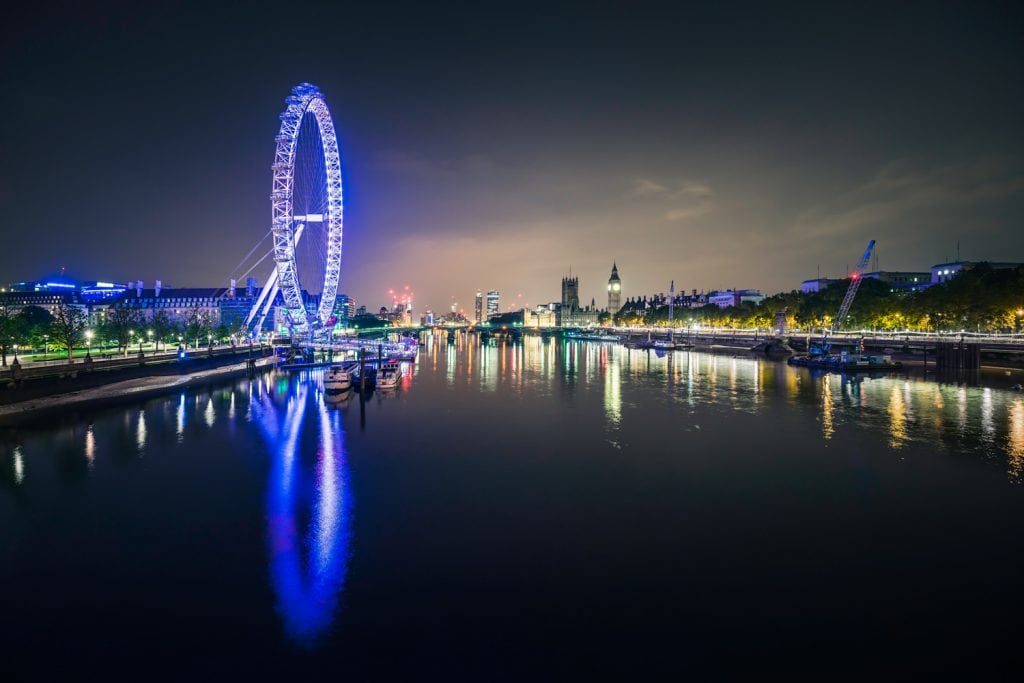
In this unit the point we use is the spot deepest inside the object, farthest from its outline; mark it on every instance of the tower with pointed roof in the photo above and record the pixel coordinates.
(614, 291)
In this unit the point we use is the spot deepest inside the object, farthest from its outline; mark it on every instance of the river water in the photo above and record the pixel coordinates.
(532, 511)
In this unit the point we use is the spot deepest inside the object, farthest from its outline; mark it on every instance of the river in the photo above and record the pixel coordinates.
(543, 510)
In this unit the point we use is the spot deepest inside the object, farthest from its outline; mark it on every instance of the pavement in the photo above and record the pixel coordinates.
(131, 389)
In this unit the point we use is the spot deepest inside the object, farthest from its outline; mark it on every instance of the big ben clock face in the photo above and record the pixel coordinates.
(615, 287)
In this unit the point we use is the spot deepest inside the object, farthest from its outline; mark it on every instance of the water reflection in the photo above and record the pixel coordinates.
(827, 428)
(19, 466)
(90, 446)
(140, 431)
(1015, 445)
(307, 569)
(897, 417)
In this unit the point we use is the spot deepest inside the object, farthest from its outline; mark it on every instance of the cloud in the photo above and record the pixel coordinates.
(645, 187)
(685, 213)
(898, 194)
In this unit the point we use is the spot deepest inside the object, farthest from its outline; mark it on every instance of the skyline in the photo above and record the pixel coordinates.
(736, 147)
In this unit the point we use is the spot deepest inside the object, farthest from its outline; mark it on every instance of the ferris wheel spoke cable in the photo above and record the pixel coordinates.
(251, 251)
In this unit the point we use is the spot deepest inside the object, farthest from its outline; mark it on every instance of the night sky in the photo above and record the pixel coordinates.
(720, 145)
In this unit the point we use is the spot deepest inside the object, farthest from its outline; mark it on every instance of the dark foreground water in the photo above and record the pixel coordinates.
(542, 511)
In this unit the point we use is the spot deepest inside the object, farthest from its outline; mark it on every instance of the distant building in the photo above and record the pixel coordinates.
(570, 292)
(493, 303)
(46, 299)
(614, 291)
(99, 290)
(478, 307)
(735, 297)
(344, 308)
(943, 272)
(542, 316)
(817, 284)
(427, 319)
(902, 281)
(576, 317)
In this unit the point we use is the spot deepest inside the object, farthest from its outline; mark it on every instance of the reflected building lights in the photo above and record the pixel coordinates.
(827, 407)
(140, 430)
(208, 414)
(613, 394)
(897, 418)
(988, 423)
(181, 418)
(90, 446)
(19, 466)
(1015, 438)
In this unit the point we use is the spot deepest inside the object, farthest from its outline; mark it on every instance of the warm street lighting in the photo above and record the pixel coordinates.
(149, 333)
(88, 343)
(46, 345)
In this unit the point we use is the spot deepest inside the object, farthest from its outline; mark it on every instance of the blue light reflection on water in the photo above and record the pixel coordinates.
(307, 571)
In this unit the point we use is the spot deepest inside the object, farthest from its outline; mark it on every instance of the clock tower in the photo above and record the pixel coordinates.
(614, 291)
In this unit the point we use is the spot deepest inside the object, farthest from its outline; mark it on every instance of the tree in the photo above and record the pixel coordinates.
(69, 323)
(163, 326)
(366, 322)
(121, 321)
(35, 324)
(10, 331)
(198, 324)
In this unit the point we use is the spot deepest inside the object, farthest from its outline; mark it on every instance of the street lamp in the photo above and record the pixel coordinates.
(149, 333)
(46, 345)
(88, 343)
(131, 333)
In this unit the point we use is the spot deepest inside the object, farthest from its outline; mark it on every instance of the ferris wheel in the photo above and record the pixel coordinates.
(306, 216)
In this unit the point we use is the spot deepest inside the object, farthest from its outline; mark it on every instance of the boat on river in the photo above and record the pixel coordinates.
(337, 379)
(389, 374)
(847, 362)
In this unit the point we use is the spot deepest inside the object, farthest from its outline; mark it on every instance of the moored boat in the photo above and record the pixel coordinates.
(337, 379)
(847, 362)
(389, 375)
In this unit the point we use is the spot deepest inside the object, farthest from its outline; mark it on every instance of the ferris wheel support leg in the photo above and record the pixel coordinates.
(271, 284)
(266, 307)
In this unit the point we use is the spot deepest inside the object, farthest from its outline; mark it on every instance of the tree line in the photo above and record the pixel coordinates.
(981, 299)
(67, 328)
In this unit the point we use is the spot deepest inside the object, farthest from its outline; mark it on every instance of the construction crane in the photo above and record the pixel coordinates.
(851, 292)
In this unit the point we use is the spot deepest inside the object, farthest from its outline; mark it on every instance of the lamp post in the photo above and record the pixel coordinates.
(149, 333)
(88, 344)
(1020, 314)
(46, 345)
(131, 333)
(15, 353)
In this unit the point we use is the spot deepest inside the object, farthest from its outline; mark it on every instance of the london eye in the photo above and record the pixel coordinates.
(306, 216)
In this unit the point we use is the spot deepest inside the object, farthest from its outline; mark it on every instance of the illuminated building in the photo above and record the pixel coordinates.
(570, 292)
(614, 291)
(735, 297)
(493, 302)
